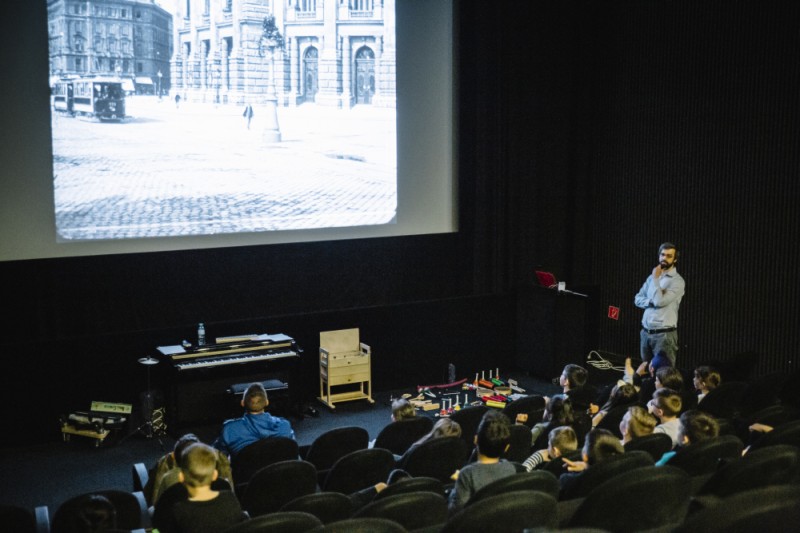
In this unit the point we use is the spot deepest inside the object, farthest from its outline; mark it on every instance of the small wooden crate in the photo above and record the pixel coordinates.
(102, 420)
(344, 366)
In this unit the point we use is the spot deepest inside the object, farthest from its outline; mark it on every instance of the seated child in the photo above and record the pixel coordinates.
(491, 440)
(706, 378)
(402, 409)
(561, 441)
(643, 378)
(167, 470)
(637, 422)
(695, 426)
(206, 510)
(622, 395)
(669, 377)
(93, 512)
(559, 411)
(573, 381)
(600, 444)
(444, 427)
(666, 406)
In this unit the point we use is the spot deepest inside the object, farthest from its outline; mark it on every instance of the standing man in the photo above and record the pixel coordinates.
(660, 297)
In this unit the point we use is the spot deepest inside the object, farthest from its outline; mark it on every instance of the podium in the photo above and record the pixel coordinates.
(345, 367)
(551, 330)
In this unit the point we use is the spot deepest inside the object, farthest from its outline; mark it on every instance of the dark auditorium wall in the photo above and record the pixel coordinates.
(645, 121)
(589, 132)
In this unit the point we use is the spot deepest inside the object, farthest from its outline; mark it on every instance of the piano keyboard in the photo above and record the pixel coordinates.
(234, 359)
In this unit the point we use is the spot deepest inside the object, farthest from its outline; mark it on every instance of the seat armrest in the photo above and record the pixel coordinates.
(140, 477)
(42, 515)
(144, 513)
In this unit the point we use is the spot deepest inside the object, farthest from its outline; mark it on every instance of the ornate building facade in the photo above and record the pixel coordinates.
(128, 39)
(335, 52)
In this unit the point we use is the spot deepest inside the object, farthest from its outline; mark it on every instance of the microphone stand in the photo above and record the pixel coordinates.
(146, 428)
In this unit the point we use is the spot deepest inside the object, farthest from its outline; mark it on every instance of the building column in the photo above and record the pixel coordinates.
(225, 71)
(347, 73)
(378, 72)
(386, 69)
(329, 59)
(205, 53)
(294, 70)
(176, 74)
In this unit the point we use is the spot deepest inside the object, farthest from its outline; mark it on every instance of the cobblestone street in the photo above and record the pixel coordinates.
(197, 169)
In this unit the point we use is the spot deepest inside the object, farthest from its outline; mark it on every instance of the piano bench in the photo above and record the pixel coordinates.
(270, 385)
(277, 393)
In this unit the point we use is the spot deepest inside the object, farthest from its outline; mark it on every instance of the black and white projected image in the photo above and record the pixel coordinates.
(162, 128)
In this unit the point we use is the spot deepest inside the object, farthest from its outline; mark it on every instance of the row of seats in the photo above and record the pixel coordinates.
(771, 509)
(638, 496)
(129, 507)
(625, 493)
(339, 462)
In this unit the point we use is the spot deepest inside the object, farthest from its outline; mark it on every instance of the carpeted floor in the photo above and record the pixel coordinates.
(50, 473)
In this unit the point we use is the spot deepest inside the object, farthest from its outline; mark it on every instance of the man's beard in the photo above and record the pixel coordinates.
(665, 265)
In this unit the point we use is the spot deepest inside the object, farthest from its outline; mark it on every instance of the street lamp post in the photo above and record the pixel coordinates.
(218, 79)
(272, 130)
(271, 41)
(158, 74)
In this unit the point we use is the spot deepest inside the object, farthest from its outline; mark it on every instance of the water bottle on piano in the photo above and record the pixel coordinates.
(201, 334)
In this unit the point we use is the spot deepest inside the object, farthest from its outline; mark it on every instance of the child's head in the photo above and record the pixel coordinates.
(182, 443)
(697, 426)
(706, 378)
(559, 410)
(95, 512)
(402, 409)
(444, 427)
(494, 434)
(666, 404)
(561, 440)
(623, 394)
(637, 422)
(600, 444)
(573, 376)
(255, 398)
(198, 465)
(669, 377)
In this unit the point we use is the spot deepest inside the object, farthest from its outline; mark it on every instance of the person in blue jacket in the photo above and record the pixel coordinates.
(256, 424)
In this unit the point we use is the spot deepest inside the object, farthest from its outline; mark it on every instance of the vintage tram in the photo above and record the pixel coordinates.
(91, 97)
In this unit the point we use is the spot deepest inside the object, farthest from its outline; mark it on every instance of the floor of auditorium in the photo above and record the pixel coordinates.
(50, 473)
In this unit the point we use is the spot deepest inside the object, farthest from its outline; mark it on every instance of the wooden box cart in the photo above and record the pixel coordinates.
(102, 419)
(345, 372)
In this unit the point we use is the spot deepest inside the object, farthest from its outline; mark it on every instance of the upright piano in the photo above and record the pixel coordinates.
(204, 382)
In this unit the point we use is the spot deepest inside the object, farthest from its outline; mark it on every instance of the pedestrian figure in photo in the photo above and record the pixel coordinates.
(248, 114)
(177, 101)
